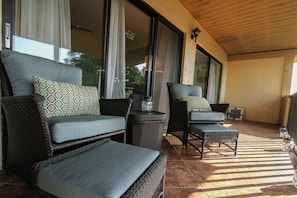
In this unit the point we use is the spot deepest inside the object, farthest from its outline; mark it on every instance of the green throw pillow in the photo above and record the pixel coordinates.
(65, 99)
(196, 103)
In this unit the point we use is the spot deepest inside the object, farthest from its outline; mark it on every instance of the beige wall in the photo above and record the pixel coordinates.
(257, 86)
(174, 12)
(256, 82)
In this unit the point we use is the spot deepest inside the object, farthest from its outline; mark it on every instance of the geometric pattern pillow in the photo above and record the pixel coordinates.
(65, 99)
(196, 102)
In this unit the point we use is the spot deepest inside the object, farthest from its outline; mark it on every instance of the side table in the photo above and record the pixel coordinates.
(145, 129)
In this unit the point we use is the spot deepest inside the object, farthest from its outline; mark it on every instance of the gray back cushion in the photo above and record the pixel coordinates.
(21, 67)
(178, 90)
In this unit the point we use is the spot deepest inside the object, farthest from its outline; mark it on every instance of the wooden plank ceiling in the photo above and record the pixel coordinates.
(248, 26)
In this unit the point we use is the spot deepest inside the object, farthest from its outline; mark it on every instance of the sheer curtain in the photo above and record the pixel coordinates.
(45, 21)
(166, 66)
(211, 88)
(115, 82)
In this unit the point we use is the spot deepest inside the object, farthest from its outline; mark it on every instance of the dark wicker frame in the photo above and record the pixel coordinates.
(150, 184)
(203, 138)
(179, 121)
(146, 129)
(26, 135)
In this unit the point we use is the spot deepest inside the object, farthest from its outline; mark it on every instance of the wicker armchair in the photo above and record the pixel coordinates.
(181, 118)
(27, 138)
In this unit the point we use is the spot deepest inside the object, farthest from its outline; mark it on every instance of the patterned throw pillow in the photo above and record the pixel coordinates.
(197, 103)
(65, 99)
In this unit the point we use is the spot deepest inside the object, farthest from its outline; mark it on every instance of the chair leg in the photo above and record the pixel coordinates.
(185, 139)
(185, 143)
(202, 149)
(235, 152)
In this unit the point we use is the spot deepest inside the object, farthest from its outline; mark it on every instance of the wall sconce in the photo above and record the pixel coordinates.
(195, 33)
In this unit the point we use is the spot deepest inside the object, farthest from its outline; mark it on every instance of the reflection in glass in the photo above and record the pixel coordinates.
(201, 71)
(207, 75)
(90, 66)
(70, 32)
(137, 45)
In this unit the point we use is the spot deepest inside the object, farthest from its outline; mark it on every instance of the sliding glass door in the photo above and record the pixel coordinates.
(166, 63)
(138, 69)
(153, 56)
(81, 33)
(207, 75)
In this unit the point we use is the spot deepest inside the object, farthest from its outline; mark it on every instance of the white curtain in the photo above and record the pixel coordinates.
(166, 67)
(46, 21)
(211, 88)
(165, 61)
(115, 82)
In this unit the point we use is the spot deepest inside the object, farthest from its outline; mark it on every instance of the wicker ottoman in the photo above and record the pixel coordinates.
(106, 169)
(212, 133)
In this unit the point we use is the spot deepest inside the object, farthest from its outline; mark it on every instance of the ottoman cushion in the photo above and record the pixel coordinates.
(209, 128)
(104, 171)
(207, 115)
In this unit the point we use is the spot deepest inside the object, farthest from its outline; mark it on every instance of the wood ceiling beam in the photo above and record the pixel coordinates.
(260, 55)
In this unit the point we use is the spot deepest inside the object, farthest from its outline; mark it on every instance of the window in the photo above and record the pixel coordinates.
(207, 75)
(70, 32)
(77, 32)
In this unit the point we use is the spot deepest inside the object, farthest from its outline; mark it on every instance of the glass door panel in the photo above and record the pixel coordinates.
(166, 64)
(214, 81)
(201, 71)
(71, 33)
(137, 56)
(87, 39)
(153, 56)
(207, 75)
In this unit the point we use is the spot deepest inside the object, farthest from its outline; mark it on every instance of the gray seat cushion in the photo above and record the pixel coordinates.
(105, 171)
(207, 116)
(21, 67)
(67, 128)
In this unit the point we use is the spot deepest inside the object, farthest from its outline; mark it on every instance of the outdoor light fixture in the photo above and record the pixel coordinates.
(195, 33)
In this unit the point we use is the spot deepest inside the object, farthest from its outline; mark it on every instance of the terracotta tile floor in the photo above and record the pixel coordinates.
(260, 169)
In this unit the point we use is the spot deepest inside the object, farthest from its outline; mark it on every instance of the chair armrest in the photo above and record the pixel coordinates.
(27, 137)
(179, 116)
(220, 107)
(117, 107)
(178, 109)
(25, 116)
